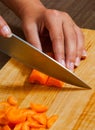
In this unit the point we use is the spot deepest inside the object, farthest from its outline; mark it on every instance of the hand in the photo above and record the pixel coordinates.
(67, 38)
(4, 28)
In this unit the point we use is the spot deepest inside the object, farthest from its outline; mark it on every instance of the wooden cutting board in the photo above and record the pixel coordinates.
(75, 106)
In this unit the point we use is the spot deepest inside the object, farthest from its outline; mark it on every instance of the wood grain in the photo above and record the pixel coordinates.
(75, 106)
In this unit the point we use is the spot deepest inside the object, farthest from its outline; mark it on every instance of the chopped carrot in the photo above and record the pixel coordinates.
(43, 79)
(38, 107)
(28, 112)
(12, 101)
(18, 126)
(32, 118)
(4, 105)
(51, 120)
(38, 77)
(3, 119)
(34, 124)
(38, 129)
(15, 115)
(6, 127)
(40, 118)
(54, 82)
(25, 126)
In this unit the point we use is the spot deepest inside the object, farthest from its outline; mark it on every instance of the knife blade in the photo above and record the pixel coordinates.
(23, 51)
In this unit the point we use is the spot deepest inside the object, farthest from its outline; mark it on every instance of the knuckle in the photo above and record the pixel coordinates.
(65, 14)
(53, 12)
(58, 39)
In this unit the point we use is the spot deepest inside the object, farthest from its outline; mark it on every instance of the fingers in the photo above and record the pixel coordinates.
(4, 28)
(70, 45)
(31, 34)
(67, 39)
(54, 26)
(81, 52)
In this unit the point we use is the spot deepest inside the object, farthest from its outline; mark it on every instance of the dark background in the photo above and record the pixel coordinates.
(82, 12)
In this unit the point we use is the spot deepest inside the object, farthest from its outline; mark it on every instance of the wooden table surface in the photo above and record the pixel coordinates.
(75, 107)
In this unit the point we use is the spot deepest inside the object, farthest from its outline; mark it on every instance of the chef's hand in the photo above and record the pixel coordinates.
(67, 38)
(4, 28)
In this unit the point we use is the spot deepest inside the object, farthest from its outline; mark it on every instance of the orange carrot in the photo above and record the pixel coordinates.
(34, 124)
(38, 77)
(54, 82)
(51, 120)
(38, 129)
(18, 126)
(6, 127)
(41, 118)
(12, 101)
(3, 119)
(32, 118)
(15, 115)
(25, 126)
(38, 107)
(4, 105)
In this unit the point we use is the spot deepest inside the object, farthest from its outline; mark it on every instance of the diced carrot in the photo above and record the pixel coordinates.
(6, 127)
(18, 126)
(3, 119)
(25, 126)
(34, 124)
(12, 100)
(38, 107)
(54, 82)
(40, 118)
(32, 118)
(38, 129)
(51, 120)
(28, 112)
(4, 105)
(15, 115)
(38, 77)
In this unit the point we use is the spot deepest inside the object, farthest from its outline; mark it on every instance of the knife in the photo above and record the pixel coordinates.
(23, 51)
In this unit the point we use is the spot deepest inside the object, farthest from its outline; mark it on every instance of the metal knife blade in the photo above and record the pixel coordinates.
(23, 51)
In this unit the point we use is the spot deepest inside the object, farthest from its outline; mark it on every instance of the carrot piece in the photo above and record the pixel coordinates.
(4, 105)
(54, 82)
(18, 126)
(38, 77)
(6, 127)
(28, 113)
(15, 115)
(38, 107)
(12, 100)
(34, 124)
(38, 129)
(51, 120)
(25, 126)
(41, 118)
(3, 119)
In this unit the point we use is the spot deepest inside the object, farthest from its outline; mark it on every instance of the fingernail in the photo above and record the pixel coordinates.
(84, 54)
(62, 62)
(70, 66)
(6, 31)
(77, 61)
